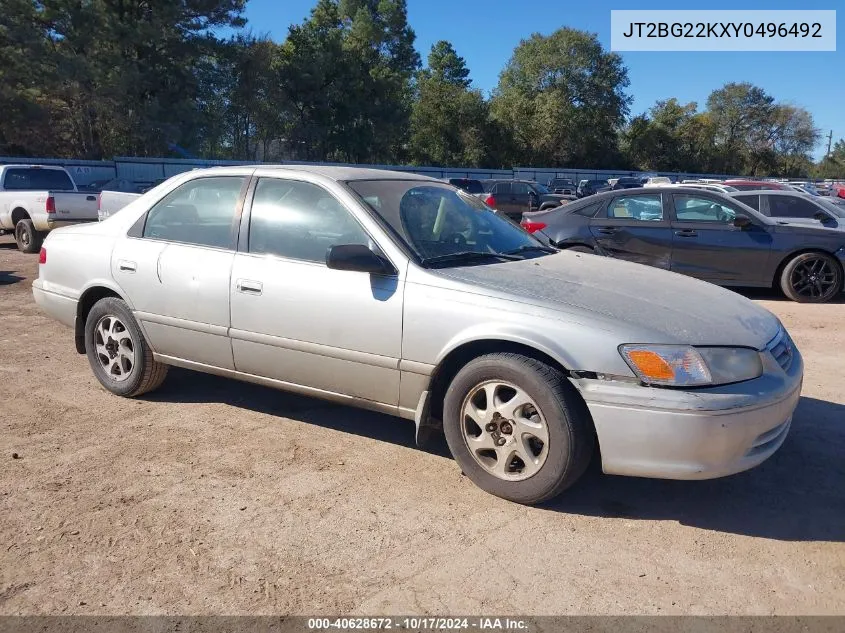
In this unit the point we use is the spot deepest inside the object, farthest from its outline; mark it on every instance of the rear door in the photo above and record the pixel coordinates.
(635, 227)
(707, 245)
(505, 203)
(520, 198)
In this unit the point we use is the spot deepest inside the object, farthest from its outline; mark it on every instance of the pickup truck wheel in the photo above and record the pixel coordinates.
(811, 278)
(517, 428)
(117, 351)
(29, 240)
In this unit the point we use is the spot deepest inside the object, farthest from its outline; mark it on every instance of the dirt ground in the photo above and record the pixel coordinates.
(216, 497)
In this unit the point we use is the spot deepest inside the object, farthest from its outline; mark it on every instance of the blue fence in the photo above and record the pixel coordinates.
(85, 172)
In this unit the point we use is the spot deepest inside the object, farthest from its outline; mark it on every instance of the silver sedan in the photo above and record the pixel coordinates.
(402, 294)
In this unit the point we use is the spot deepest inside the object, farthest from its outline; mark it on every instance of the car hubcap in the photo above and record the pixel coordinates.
(814, 278)
(115, 348)
(504, 430)
(24, 237)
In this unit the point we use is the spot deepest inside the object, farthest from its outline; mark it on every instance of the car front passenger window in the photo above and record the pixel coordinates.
(299, 220)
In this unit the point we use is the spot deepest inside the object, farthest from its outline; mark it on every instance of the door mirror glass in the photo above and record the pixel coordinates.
(358, 258)
(742, 221)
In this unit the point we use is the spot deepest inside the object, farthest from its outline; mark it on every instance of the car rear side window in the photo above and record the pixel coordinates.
(502, 188)
(647, 208)
(752, 201)
(200, 212)
(35, 179)
(589, 211)
(519, 189)
(791, 207)
(299, 220)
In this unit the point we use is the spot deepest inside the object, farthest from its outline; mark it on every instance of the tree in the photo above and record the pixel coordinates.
(563, 98)
(833, 165)
(448, 119)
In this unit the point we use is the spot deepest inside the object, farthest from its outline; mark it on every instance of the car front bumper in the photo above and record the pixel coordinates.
(697, 434)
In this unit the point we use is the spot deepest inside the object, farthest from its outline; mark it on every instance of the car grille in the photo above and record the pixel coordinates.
(783, 349)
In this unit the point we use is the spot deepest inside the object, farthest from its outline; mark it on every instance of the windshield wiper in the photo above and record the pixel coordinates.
(467, 256)
(531, 247)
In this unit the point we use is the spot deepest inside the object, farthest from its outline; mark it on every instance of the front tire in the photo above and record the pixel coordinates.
(28, 239)
(117, 351)
(811, 278)
(517, 428)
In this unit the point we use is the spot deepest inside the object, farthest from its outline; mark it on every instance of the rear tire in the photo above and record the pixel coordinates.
(118, 352)
(28, 239)
(811, 278)
(538, 448)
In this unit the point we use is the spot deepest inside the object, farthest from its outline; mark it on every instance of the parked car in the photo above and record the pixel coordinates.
(110, 202)
(35, 199)
(470, 185)
(805, 187)
(591, 187)
(656, 181)
(837, 190)
(515, 197)
(404, 295)
(627, 182)
(703, 234)
(706, 186)
(756, 185)
(792, 206)
(562, 185)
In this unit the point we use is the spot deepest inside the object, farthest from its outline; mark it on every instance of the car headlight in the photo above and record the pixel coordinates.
(686, 366)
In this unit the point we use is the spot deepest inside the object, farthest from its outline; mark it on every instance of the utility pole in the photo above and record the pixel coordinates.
(829, 140)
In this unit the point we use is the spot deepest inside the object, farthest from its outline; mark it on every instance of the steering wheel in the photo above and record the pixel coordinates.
(456, 239)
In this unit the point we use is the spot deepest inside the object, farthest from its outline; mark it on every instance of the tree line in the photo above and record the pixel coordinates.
(105, 78)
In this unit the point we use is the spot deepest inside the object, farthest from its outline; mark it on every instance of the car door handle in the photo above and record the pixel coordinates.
(687, 233)
(249, 286)
(607, 230)
(127, 266)
(91, 198)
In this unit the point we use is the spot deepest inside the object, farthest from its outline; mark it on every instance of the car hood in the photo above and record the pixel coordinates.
(672, 308)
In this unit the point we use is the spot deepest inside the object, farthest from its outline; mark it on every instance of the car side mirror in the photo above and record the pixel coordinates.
(358, 258)
(742, 221)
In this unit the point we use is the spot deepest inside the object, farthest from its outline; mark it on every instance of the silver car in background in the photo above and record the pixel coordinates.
(401, 294)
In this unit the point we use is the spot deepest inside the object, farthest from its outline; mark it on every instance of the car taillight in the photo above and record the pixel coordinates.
(533, 227)
(42, 256)
(50, 207)
(490, 201)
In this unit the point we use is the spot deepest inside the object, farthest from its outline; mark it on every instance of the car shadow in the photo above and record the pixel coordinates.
(188, 386)
(8, 277)
(797, 495)
(770, 294)
(9, 245)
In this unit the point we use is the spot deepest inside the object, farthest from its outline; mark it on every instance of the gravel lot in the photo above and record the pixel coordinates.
(216, 497)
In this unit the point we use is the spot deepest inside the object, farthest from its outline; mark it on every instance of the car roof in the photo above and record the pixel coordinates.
(332, 172)
(35, 166)
(770, 192)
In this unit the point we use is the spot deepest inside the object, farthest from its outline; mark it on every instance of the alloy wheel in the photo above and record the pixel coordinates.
(814, 278)
(115, 348)
(504, 430)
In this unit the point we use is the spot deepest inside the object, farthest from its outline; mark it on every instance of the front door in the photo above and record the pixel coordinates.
(635, 227)
(707, 245)
(175, 270)
(297, 321)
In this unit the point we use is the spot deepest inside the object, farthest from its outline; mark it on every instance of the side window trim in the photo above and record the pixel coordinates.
(246, 221)
(136, 231)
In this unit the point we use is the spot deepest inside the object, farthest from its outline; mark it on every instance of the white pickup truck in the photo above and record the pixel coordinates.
(35, 199)
(110, 202)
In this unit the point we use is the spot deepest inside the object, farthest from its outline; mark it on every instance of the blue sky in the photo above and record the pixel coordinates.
(485, 33)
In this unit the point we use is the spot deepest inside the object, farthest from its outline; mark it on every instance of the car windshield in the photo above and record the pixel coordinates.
(439, 221)
(471, 186)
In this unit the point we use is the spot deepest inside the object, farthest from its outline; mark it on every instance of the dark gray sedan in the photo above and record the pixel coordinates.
(702, 234)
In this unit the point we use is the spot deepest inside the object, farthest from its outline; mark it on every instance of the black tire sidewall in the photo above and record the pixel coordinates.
(29, 228)
(561, 452)
(786, 278)
(118, 308)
